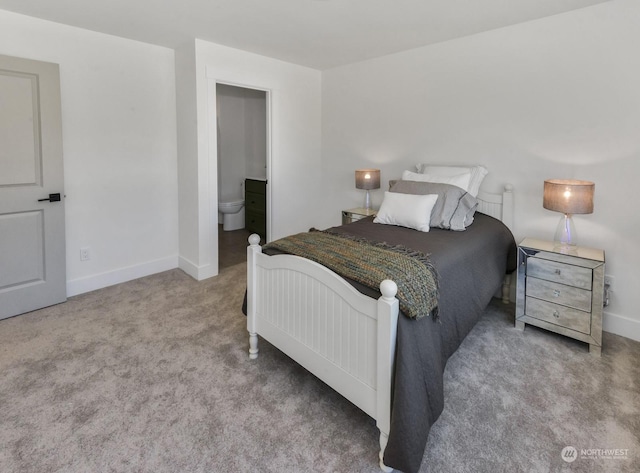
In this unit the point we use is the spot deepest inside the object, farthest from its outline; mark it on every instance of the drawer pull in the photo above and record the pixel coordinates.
(556, 293)
(556, 314)
(557, 271)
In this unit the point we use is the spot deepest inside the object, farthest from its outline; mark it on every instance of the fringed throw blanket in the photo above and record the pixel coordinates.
(369, 264)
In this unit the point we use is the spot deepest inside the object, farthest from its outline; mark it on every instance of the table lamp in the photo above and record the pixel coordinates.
(367, 179)
(568, 196)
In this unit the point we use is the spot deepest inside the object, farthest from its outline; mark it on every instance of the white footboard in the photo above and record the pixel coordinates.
(314, 316)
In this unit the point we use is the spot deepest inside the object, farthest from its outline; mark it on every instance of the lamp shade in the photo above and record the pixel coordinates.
(368, 179)
(568, 196)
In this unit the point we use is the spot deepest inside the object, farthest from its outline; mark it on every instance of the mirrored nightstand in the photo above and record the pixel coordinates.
(351, 215)
(561, 290)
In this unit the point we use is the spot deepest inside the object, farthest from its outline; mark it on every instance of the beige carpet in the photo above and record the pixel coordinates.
(153, 376)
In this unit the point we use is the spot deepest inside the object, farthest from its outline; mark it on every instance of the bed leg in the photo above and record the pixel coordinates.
(253, 345)
(506, 289)
(383, 444)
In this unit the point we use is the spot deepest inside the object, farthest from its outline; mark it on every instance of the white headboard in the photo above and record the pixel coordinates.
(499, 206)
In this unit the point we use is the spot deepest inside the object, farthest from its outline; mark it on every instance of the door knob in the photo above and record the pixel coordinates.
(52, 198)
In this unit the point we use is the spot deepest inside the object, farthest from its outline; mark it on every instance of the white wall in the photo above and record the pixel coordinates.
(241, 115)
(119, 142)
(232, 143)
(255, 107)
(294, 144)
(552, 98)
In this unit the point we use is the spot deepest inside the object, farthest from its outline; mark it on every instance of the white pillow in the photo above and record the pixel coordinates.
(477, 174)
(406, 210)
(458, 180)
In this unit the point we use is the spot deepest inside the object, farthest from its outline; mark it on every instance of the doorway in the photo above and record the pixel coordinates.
(242, 117)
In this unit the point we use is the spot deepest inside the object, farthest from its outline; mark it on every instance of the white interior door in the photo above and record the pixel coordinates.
(32, 243)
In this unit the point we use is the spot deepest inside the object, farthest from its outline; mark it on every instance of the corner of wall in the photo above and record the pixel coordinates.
(186, 117)
(198, 273)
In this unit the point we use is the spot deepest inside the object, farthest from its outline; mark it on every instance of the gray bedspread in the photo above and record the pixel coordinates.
(471, 266)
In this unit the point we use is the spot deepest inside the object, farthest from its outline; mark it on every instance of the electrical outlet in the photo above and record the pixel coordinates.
(608, 283)
(85, 253)
(609, 280)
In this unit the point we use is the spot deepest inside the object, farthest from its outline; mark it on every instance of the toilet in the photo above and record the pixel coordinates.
(232, 215)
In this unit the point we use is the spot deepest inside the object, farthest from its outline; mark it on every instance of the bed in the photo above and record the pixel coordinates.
(356, 339)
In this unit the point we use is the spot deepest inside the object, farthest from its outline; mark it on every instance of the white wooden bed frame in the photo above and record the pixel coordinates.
(343, 337)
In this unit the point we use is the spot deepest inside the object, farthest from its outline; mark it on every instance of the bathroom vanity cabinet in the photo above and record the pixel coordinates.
(256, 206)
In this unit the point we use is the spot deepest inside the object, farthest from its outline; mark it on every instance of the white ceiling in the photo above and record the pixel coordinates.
(317, 33)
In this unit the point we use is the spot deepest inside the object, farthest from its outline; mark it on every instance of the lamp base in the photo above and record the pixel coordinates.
(367, 200)
(566, 231)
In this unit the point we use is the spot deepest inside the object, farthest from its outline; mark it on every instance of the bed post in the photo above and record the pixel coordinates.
(508, 206)
(506, 288)
(388, 308)
(508, 211)
(252, 251)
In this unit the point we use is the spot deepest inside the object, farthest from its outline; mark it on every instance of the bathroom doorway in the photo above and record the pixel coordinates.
(243, 154)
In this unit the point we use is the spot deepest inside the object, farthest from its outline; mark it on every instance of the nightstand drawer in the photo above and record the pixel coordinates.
(559, 315)
(559, 293)
(567, 274)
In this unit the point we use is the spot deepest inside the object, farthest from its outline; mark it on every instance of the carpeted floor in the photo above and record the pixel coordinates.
(153, 376)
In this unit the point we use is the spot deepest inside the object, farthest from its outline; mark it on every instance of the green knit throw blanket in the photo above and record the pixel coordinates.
(369, 263)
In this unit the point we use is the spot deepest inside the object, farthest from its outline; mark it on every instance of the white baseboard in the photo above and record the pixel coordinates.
(623, 326)
(117, 276)
(197, 272)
